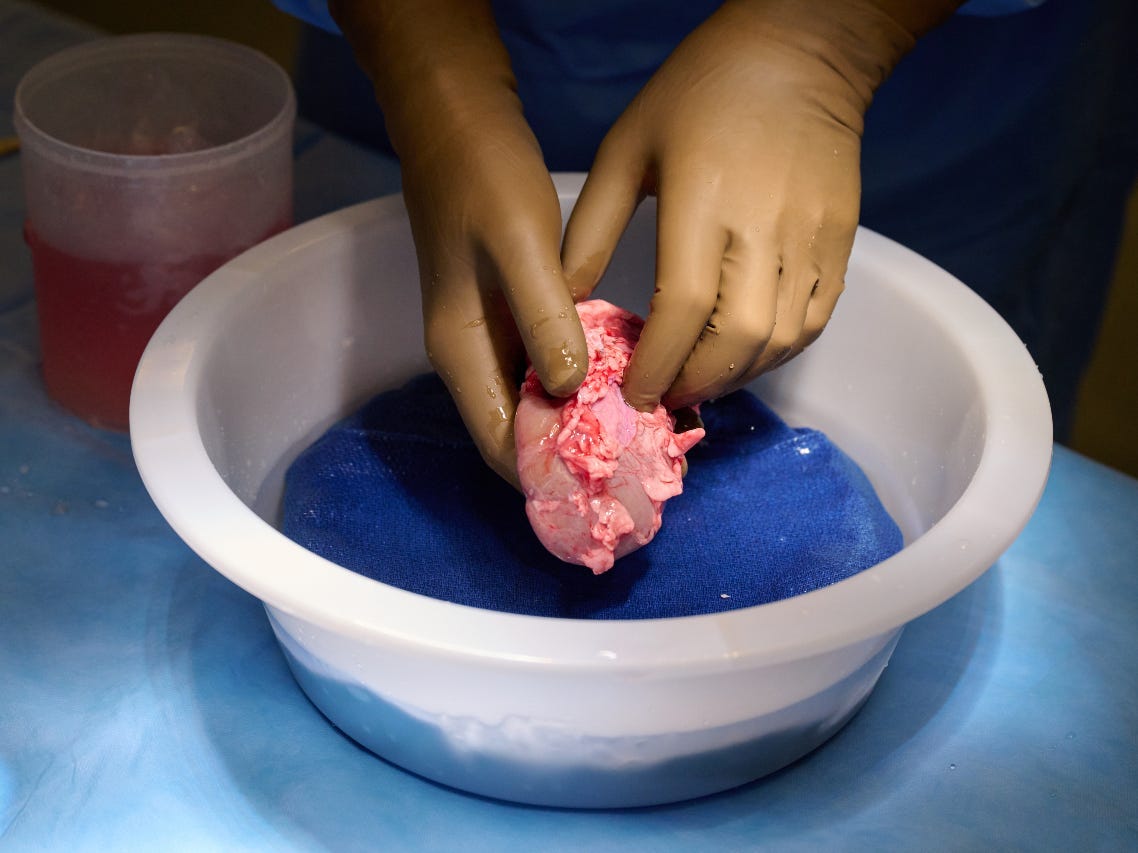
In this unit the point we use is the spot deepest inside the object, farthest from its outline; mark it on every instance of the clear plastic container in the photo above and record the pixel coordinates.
(148, 161)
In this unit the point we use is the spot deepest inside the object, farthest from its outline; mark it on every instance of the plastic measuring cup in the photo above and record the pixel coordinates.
(148, 161)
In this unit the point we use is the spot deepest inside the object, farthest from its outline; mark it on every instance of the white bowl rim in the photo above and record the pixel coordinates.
(203, 510)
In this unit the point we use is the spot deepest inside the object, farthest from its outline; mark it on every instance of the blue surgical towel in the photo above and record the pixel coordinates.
(398, 492)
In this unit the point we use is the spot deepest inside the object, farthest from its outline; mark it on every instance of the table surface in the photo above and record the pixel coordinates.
(144, 703)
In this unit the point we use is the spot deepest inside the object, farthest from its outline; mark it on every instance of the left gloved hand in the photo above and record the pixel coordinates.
(483, 210)
(749, 135)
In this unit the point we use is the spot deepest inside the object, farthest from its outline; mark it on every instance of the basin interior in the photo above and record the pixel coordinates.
(335, 320)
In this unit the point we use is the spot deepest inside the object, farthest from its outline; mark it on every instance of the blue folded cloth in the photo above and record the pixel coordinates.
(398, 492)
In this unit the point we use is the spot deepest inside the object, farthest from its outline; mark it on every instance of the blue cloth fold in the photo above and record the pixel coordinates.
(398, 492)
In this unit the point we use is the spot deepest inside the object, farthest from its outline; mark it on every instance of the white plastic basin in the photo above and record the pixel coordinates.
(916, 378)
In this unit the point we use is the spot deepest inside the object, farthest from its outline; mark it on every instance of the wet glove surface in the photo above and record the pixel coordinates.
(399, 493)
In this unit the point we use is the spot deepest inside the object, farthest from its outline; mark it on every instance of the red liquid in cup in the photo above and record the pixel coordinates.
(96, 317)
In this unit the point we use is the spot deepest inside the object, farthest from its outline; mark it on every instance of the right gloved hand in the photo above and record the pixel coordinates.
(749, 135)
(484, 213)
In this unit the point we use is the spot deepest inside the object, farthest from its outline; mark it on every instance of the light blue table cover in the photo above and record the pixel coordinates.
(144, 704)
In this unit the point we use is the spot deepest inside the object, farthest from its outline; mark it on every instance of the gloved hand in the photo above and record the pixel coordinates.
(749, 135)
(484, 213)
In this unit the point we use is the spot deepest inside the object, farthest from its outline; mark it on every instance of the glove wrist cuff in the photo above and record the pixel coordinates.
(845, 48)
(435, 65)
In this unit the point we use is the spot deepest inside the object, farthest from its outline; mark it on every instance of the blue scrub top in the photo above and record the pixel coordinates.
(316, 11)
(1002, 148)
(579, 64)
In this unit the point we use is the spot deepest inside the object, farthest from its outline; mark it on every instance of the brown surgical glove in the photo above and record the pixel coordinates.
(484, 213)
(749, 135)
